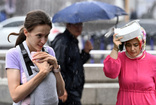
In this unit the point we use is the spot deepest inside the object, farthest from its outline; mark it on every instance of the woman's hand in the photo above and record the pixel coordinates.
(116, 41)
(43, 56)
(64, 97)
(44, 67)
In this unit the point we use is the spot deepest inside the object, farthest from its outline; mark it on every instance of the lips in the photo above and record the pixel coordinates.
(40, 46)
(133, 54)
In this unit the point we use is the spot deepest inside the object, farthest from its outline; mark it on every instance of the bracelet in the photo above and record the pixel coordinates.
(116, 49)
(57, 70)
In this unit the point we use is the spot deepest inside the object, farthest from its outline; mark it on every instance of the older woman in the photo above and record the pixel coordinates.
(135, 69)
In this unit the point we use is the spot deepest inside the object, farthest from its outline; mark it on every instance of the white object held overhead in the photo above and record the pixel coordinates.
(129, 31)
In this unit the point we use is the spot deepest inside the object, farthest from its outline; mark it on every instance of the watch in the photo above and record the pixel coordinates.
(57, 70)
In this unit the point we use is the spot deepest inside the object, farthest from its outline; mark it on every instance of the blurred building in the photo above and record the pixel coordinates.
(52, 6)
(145, 9)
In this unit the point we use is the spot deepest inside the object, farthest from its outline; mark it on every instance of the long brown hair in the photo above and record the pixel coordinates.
(33, 19)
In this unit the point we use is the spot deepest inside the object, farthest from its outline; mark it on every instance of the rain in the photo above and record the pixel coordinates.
(98, 89)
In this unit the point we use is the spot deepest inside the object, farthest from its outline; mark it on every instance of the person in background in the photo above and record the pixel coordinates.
(33, 35)
(71, 61)
(133, 14)
(10, 8)
(135, 69)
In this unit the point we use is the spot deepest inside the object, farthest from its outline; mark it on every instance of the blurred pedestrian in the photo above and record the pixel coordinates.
(10, 8)
(71, 61)
(135, 69)
(133, 14)
(37, 81)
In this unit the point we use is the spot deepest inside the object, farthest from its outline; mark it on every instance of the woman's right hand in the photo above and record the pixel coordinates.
(44, 67)
(116, 40)
(43, 56)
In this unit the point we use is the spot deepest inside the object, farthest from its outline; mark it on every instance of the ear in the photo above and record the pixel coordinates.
(25, 32)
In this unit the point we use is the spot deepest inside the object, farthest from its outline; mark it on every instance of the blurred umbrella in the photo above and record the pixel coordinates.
(87, 11)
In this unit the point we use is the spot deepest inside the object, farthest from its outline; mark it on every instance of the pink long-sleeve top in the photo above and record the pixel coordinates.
(137, 78)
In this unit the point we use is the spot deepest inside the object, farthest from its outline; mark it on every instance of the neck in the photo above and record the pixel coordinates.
(129, 56)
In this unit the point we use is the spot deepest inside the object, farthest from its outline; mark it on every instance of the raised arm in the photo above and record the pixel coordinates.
(117, 42)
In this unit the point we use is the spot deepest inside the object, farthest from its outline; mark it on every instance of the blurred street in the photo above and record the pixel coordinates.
(4, 103)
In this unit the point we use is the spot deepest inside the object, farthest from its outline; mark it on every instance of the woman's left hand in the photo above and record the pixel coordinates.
(64, 97)
(43, 56)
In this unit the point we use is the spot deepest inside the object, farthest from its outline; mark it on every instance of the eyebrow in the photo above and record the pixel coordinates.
(136, 43)
(133, 43)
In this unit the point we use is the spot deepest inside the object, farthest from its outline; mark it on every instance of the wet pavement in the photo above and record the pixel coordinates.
(4, 104)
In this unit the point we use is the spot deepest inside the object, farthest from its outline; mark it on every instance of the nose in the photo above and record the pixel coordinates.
(43, 40)
(132, 47)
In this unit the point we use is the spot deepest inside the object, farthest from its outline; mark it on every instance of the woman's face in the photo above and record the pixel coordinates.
(37, 37)
(132, 47)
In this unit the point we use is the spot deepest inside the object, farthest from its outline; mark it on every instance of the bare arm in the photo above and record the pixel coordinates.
(19, 92)
(60, 84)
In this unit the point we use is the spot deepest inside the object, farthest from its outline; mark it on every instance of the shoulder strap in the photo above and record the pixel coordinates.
(26, 58)
(44, 49)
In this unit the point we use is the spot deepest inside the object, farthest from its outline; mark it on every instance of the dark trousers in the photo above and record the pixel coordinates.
(71, 102)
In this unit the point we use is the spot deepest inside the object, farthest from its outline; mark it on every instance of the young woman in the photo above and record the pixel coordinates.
(135, 69)
(40, 87)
